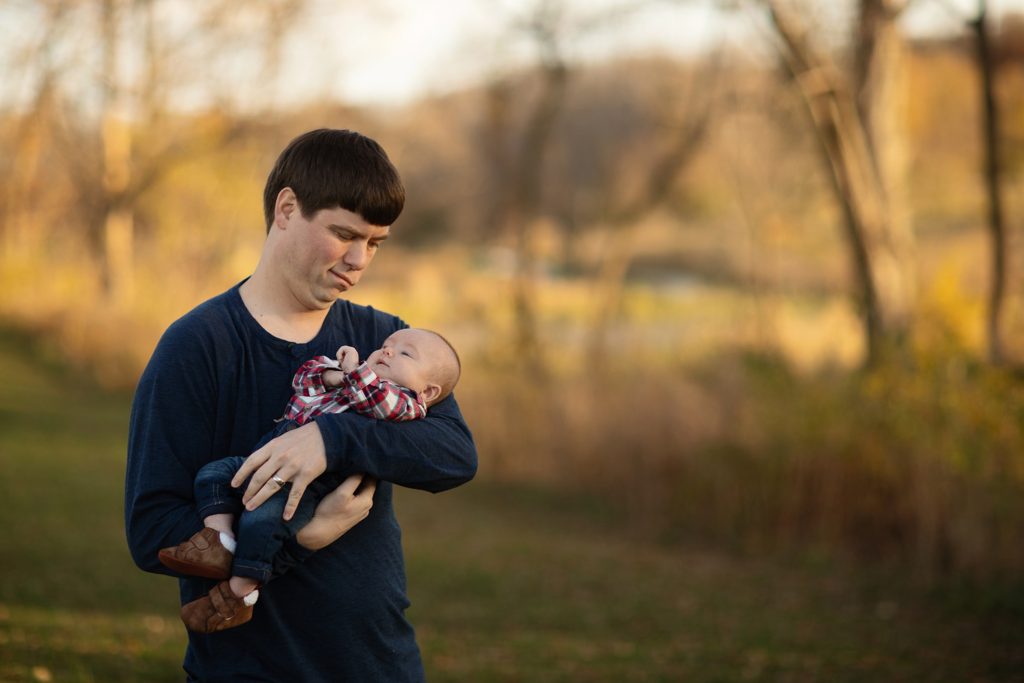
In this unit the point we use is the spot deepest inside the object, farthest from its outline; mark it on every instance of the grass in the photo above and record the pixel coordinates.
(508, 582)
(72, 606)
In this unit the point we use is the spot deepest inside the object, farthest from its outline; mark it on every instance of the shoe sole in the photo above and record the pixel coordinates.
(242, 617)
(204, 571)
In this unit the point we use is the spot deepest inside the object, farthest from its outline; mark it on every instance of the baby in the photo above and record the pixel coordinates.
(413, 370)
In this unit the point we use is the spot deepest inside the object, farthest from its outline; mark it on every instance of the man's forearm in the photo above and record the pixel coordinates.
(319, 533)
(338, 512)
(153, 522)
(432, 454)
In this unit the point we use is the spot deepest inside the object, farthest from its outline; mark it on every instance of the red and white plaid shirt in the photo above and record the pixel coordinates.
(361, 390)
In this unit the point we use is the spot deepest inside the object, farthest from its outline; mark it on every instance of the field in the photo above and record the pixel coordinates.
(509, 582)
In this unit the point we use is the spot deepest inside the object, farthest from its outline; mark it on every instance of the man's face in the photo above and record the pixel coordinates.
(327, 254)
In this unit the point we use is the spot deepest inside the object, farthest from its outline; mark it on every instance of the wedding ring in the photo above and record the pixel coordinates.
(278, 480)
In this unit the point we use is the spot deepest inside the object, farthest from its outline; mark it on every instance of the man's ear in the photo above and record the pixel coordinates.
(430, 393)
(287, 203)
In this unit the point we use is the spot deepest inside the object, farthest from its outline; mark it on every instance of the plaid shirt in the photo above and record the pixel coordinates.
(362, 390)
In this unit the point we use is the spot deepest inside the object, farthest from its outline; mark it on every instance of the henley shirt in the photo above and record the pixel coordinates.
(213, 387)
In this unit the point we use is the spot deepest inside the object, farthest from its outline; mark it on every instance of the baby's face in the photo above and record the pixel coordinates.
(408, 358)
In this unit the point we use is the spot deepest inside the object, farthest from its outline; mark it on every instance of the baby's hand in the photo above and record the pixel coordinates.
(332, 379)
(348, 357)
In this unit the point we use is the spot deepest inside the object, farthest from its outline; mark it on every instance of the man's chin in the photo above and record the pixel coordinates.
(329, 294)
(319, 301)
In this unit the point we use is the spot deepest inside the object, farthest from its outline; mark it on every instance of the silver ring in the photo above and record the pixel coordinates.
(278, 480)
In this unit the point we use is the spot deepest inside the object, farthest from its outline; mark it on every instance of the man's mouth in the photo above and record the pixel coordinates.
(344, 278)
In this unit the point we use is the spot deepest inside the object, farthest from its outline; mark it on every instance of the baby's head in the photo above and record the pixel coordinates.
(420, 360)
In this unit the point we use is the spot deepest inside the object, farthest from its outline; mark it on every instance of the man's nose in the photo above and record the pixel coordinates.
(357, 256)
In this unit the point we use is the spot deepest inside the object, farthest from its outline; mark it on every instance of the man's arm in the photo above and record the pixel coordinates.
(171, 437)
(433, 454)
(338, 511)
(171, 423)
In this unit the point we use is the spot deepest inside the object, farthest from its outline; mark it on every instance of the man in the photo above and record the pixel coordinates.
(220, 376)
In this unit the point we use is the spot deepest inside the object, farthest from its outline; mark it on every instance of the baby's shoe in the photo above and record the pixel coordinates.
(218, 610)
(202, 555)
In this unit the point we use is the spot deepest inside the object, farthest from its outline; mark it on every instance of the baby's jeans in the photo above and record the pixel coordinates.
(260, 532)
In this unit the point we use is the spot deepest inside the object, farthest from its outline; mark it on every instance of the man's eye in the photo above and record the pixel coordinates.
(374, 245)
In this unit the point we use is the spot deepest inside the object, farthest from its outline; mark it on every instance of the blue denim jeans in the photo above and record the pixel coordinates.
(261, 532)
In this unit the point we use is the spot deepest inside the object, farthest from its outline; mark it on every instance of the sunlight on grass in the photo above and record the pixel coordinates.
(39, 644)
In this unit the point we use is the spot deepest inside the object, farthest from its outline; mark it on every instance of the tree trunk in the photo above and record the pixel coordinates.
(523, 209)
(990, 129)
(853, 171)
(23, 186)
(33, 134)
(118, 222)
(116, 260)
(882, 90)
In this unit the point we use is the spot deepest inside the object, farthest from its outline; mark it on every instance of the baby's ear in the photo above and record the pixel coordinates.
(430, 393)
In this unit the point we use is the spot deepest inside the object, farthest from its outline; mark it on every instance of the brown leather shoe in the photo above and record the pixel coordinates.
(218, 610)
(202, 555)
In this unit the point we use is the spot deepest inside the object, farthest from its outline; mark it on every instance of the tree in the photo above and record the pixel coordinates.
(882, 89)
(851, 135)
(523, 200)
(987, 58)
(680, 140)
(103, 106)
(993, 182)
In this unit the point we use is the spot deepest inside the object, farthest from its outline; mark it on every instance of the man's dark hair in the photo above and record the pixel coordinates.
(328, 168)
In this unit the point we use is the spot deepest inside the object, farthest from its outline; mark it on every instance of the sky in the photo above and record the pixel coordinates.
(389, 52)
(396, 50)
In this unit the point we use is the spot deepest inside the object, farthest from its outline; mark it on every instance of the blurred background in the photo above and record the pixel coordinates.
(737, 286)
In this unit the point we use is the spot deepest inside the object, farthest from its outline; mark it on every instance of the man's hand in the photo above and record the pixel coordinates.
(348, 358)
(297, 456)
(339, 511)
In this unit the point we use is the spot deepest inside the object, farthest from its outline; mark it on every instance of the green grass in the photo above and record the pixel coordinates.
(72, 605)
(512, 585)
(508, 583)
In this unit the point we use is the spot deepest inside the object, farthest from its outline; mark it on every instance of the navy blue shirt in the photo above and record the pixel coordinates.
(213, 387)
